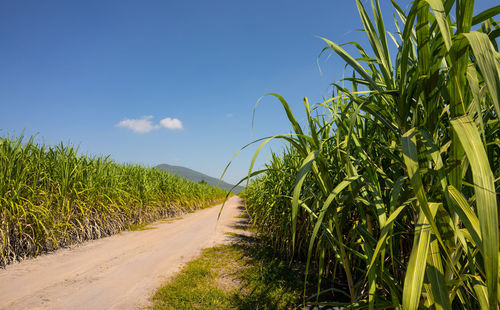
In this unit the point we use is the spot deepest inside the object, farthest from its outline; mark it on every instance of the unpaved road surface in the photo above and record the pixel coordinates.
(117, 272)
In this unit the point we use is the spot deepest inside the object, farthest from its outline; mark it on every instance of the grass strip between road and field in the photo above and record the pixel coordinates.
(244, 275)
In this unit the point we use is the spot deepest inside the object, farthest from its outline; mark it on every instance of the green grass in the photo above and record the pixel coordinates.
(244, 275)
(140, 227)
(170, 219)
(195, 286)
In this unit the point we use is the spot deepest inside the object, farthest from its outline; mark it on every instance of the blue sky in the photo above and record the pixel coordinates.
(185, 74)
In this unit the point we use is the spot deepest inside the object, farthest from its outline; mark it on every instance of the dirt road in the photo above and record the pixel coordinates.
(117, 272)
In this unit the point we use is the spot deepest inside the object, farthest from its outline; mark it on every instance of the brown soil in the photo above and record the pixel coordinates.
(117, 272)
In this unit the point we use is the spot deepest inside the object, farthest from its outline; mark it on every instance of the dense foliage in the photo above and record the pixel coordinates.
(51, 197)
(392, 191)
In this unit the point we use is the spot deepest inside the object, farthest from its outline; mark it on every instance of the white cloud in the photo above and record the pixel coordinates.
(171, 123)
(143, 125)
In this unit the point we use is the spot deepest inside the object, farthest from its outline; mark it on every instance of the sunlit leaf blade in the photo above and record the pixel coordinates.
(415, 271)
(484, 15)
(486, 203)
(488, 64)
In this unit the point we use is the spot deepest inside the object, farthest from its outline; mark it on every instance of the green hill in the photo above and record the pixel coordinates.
(197, 176)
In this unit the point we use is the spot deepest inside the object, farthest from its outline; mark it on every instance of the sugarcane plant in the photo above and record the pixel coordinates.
(52, 197)
(390, 190)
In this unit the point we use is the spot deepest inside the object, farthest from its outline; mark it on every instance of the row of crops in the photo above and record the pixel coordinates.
(51, 197)
(389, 191)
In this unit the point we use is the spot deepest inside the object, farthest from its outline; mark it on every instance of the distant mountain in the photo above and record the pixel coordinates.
(196, 176)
